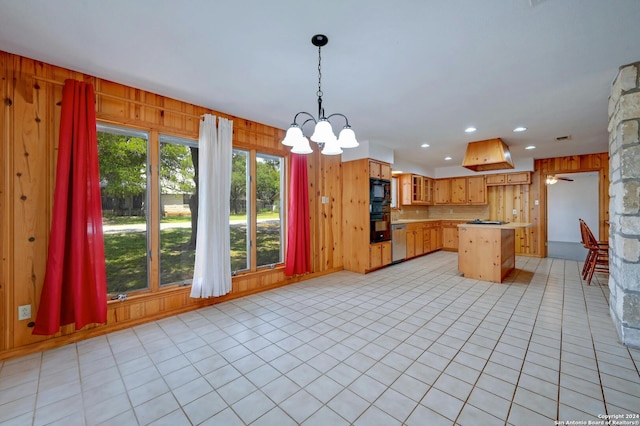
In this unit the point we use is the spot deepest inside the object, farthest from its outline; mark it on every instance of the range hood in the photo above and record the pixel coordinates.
(492, 154)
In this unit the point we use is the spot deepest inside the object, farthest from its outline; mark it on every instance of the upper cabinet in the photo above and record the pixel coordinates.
(378, 170)
(460, 190)
(476, 190)
(416, 189)
(442, 191)
(519, 178)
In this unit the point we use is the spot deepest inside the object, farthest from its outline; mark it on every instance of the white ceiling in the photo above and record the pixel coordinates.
(405, 72)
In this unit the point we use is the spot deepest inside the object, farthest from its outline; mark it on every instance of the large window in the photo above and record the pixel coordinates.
(269, 181)
(239, 223)
(150, 209)
(178, 209)
(256, 223)
(122, 154)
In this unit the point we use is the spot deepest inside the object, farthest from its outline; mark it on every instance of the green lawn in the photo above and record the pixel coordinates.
(126, 252)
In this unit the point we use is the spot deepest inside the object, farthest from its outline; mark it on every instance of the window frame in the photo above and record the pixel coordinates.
(147, 135)
(252, 208)
(177, 140)
(152, 199)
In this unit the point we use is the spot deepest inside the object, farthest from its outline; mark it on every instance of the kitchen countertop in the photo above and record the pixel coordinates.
(511, 225)
(394, 222)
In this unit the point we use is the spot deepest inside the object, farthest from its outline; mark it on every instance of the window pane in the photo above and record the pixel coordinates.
(238, 222)
(269, 199)
(123, 176)
(178, 202)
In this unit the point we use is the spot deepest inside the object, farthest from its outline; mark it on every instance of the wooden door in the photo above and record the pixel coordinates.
(385, 253)
(427, 190)
(436, 238)
(411, 244)
(450, 237)
(459, 190)
(375, 256)
(442, 191)
(477, 190)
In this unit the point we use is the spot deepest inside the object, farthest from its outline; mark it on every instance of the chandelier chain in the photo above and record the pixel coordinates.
(319, 94)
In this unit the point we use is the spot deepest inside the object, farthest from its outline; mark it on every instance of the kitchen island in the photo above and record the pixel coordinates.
(486, 250)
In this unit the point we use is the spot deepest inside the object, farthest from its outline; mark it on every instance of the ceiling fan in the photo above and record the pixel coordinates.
(551, 179)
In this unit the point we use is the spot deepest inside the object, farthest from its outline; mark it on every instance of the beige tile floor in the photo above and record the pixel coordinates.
(411, 344)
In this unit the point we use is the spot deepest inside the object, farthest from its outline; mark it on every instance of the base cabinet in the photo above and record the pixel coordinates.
(432, 237)
(450, 235)
(423, 237)
(415, 244)
(379, 255)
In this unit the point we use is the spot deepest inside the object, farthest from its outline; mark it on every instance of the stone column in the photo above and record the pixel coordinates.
(624, 204)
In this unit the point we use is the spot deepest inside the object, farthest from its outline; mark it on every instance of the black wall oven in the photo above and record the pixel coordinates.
(380, 210)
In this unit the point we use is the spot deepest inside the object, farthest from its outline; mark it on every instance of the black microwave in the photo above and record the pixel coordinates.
(380, 190)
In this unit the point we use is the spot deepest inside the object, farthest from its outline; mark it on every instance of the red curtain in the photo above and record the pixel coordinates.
(75, 283)
(298, 236)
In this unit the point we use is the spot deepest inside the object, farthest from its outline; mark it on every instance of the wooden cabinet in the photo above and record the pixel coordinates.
(379, 254)
(497, 179)
(519, 178)
(442, 191)
(415, 242)
(416, 190)
(427, 190)
(379, 170)
(460, 190)
(476, 190)
(431, 236)
(486, 252)
(450, 235)
(359, 254)
(423, 237)
(436, 237)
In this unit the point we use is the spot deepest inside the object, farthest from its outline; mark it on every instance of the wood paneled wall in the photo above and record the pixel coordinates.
(576, 164)
(503, 200)
(31, 92)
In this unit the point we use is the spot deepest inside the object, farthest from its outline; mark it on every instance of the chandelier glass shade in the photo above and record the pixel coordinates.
(323, 133)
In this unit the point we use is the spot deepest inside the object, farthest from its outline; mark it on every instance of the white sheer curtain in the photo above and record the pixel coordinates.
(212, 271)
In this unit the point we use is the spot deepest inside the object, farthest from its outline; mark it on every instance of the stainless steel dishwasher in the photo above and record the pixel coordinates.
(398, 242)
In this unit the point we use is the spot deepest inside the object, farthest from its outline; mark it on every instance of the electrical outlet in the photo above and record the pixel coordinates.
(536, 203)
(24, 312)
(325, 200)
(515, 211)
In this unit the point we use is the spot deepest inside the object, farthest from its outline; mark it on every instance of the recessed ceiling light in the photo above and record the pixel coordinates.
(425, 145)
(530, 147)
(519, 129)
(447, 158)
(470, 129)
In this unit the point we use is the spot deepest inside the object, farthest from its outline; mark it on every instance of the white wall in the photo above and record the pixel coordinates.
(368, 149)
(568, 201)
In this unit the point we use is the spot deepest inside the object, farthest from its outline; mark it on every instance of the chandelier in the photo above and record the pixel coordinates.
(323, 133)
